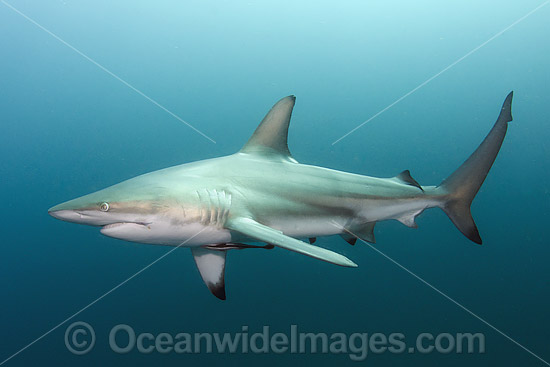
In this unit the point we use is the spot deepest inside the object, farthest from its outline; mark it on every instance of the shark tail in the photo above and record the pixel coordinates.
(459, 189)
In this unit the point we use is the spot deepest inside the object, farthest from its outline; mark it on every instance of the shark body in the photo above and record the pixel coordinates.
(263, 195)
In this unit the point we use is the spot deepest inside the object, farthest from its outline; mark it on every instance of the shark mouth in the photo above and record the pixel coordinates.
(130, 231)
(119, 224)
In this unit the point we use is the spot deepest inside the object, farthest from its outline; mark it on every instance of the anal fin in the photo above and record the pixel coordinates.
(408, 219)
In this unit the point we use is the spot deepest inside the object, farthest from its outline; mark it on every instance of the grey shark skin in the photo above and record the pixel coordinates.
(262, 194)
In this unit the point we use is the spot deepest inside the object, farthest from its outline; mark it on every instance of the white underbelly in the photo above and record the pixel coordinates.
(198, 234)
(162, 233)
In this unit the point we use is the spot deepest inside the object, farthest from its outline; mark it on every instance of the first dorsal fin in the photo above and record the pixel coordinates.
(271, 135)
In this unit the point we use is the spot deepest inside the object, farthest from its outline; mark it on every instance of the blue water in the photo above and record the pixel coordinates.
(70, 128)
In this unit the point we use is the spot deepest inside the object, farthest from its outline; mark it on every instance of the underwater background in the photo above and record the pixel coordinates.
(70, 128)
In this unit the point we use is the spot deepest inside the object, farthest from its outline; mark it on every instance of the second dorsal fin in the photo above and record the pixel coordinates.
(271, 135)
(406, 177)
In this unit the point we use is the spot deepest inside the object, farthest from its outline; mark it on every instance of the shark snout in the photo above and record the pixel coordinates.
(87, 217)
(65, 214)
(80, 210)
(67, 211)
(73, 211)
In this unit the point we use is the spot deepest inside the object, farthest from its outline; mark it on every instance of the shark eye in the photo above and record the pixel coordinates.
(104, 207)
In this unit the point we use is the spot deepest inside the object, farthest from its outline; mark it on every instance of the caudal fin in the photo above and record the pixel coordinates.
(462, 185)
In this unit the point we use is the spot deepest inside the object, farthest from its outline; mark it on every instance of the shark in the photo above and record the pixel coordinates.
(262, 197)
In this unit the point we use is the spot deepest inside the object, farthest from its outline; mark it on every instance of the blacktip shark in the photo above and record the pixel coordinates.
(261, 194)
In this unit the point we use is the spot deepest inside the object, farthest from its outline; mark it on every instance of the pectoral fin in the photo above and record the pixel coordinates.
(211, 265)
(251, 228)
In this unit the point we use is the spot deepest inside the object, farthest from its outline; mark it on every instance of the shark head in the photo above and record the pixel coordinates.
(98, 209)
(162, 207)
(128, 210)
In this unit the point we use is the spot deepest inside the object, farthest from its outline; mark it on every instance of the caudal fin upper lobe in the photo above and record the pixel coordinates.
(460, 188)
